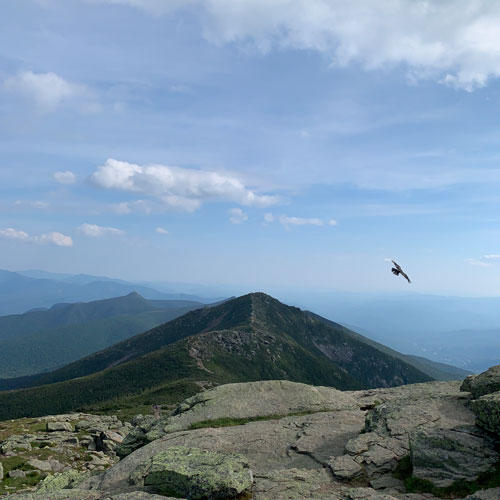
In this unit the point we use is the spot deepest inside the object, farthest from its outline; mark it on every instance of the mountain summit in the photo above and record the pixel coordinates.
(253, 337)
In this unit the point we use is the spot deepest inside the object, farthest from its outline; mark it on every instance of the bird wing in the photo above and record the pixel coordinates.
(398, 267)
(406, 276)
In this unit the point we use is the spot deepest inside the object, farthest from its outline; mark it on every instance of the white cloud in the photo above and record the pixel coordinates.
(54, 238)
(160, 230)
(180, 188)
(288, 221)
(13, 234)
(332, 222)
(476, 262)
(299, 221)
(96, 231)
(49, 91)
(237, 216)
(32, 203)
(127, 207)
(66, 177)
(492, 256)
(454, 43)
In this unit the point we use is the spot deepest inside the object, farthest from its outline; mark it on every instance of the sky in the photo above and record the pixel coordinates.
(263, 144)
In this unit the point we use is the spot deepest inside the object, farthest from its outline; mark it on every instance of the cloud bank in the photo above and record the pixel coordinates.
(455, 43)
(53, 238)
(179, 188)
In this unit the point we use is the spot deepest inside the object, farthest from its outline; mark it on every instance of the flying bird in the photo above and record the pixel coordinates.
(397, 271)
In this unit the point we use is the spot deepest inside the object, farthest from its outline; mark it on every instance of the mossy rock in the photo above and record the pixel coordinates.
(66, 480)
(487, 410)
(485, 383)
(194, 473)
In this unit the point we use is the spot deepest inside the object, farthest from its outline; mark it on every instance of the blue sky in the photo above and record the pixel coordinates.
(265, 144)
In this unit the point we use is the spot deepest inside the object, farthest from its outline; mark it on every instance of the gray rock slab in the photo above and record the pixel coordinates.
(408, 392)
(59, 426)
(66, 480)
(487, 410)
(42, 465)
(296, 484)
(258, 399)
(1, 471)
(345, 467)
(194, 473)
(486, 382)
(368, 494)
(387, 482)
(17, 474)
(490, 494)
(398, 412)
(301, 442)
(444, 456)
(241, 401)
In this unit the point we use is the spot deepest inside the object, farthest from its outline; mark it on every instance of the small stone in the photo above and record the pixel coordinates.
(59, 426)
(17, 474)
(387, 481)
(1, 471)
(82, 425)
(56, 465)
(40, 465)
(114, 436)
(345, 467)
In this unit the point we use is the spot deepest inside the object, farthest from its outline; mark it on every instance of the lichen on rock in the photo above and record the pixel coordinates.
(194, 473)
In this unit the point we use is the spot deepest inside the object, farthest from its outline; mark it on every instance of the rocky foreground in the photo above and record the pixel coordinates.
(274, 440)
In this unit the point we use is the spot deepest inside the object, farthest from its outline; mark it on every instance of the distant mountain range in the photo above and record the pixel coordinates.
(43, 340)
(22, 291)
(461, 331)
(253, 337)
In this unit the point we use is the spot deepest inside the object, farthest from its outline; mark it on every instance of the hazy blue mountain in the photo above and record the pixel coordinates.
(438, 371)
(20, 293)
(254, 337)
(44, 340)
(459, 331)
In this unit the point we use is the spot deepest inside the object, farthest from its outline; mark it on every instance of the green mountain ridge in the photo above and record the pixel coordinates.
(253, 337)
(44, 340)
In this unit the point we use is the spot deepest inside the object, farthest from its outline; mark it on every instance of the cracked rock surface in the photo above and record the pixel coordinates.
(305, 442)
(260, 399)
